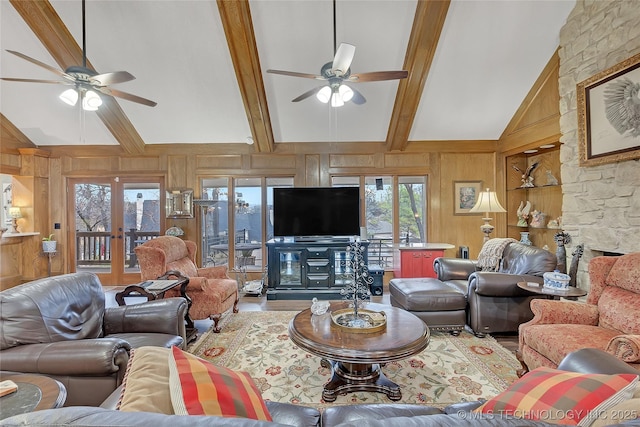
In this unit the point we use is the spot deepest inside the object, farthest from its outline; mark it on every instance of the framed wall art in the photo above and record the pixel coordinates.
(465, 195)
(609, 114)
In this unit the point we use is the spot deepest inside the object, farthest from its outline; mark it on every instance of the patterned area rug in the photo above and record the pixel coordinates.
(451, 369)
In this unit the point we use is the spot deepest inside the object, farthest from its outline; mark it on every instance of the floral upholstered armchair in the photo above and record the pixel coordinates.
(610, 319)
(211, 290)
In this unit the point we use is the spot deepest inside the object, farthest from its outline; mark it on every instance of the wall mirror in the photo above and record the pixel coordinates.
(179, 203)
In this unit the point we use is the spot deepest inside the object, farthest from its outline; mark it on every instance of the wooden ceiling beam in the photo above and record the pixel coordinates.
(238, 29)
(425, 34)
(11, 136)
(45, 23)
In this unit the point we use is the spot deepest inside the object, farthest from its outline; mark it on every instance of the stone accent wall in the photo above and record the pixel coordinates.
(601, 204)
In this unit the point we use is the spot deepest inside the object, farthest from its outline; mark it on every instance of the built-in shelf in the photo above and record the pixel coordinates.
(545, 198)
(11, 235)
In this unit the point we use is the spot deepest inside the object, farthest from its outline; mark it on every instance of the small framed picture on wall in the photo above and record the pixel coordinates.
(465, 195)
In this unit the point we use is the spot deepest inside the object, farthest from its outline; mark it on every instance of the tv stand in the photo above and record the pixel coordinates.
(321, 239)
(307, 269)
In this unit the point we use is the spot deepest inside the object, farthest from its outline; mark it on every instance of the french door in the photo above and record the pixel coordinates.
(108, 218)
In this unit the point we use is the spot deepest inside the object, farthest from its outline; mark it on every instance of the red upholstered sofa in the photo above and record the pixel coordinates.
(610, 319)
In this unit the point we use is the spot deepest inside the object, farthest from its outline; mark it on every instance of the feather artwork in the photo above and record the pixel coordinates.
(622, 106)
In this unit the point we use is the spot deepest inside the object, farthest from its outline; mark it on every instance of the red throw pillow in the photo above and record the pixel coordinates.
(199, 387)
(561, 397)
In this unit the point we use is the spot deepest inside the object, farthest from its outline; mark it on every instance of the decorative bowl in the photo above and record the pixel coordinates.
(319, 307)
(556, 280)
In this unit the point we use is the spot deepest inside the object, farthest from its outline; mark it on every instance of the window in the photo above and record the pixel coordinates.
(248, 223)
(240, 225)
(215, 221)
(380, 216)
(411, 208)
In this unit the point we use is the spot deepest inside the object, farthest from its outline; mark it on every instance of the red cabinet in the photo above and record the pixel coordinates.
(418, 261)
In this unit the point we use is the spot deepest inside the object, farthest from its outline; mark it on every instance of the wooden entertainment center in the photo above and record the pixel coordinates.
(307, 268)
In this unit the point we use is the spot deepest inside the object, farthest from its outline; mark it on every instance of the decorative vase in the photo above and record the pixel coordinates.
(524, 238)
(49, 246)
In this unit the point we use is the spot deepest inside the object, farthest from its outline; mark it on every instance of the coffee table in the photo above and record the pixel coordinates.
(35, 392)
(356, 358)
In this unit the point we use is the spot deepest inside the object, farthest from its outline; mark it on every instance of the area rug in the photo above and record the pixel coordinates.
(451, 369)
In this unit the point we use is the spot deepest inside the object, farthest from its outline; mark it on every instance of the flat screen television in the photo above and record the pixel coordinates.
(316, 211)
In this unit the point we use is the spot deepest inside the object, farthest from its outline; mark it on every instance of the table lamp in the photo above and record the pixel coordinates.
(14, 213)
(487, 202)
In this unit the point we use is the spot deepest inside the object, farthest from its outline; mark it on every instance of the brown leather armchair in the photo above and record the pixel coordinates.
(211, 291)
(59, 327)
(494, 301)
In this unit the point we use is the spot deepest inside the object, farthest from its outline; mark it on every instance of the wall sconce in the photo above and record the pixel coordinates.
(487, 202)
(179, 203)
(14, 213)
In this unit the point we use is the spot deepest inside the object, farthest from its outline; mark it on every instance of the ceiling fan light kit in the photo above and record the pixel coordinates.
(337, 72)
(86, 81)
(91, 101)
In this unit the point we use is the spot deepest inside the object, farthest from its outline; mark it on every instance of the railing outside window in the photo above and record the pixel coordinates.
(93, 248)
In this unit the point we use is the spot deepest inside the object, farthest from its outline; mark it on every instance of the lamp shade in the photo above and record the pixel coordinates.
(91, 101)
(324, 94)
(69, 96)
(487, 202)
(346, 93)
(14, 212)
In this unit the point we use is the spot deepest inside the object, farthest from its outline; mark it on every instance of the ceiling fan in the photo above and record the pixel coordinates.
(337, 73)
(85, 80)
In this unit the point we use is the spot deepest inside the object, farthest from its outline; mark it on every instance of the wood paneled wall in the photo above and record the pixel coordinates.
(309, 165)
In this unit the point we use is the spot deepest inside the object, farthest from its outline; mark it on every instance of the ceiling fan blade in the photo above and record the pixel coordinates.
(11, 79)
(342, 59)
(307, 94)
(125, 95)
(376, 76)
(358, 98)
(296, 74)
(107, 79)
(42, 64)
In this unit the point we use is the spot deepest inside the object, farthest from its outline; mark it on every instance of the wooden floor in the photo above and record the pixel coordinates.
(260, 303)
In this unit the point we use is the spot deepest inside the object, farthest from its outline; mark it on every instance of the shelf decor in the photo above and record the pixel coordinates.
(357, 291)
(49, 244)
(608, 118)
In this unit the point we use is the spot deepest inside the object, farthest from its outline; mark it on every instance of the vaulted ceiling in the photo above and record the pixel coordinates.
(470, 64)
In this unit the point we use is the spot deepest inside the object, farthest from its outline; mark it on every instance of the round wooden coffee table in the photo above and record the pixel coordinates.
(35, 392)
(356, 358)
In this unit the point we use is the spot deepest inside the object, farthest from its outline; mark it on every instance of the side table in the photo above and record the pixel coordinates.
(570, 293)
(177, 279)
(35, 392)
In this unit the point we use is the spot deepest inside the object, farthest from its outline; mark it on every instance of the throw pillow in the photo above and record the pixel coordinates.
(147, 375)
(561, 397)
(199, 387)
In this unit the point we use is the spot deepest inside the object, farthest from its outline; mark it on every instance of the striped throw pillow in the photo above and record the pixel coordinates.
(561, 397)
(199, 387)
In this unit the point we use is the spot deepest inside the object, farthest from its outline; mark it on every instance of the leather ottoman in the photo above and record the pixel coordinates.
(440, 305)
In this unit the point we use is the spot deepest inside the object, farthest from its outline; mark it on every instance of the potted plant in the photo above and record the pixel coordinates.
(49, 244)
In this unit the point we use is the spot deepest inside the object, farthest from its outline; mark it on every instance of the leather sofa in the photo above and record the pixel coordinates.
(494, 301)
(609, 320)
(60, 327)
(284, 414)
